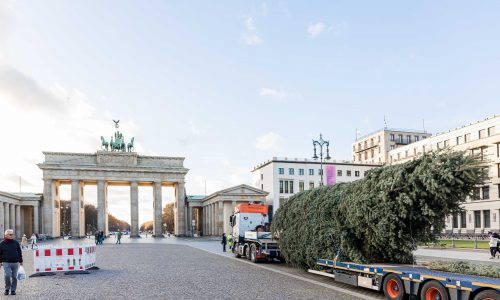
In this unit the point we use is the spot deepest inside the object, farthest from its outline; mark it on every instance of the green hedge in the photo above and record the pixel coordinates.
(380, 218)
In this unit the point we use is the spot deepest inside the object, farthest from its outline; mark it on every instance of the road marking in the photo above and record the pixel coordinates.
(338, 289)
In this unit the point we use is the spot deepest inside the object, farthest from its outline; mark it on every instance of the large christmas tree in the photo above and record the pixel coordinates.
(380, 218)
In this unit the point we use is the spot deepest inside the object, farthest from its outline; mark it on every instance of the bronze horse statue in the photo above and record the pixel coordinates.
(104, 144)
(130, 146)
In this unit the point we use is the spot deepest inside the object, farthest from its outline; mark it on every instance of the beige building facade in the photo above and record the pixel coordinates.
(375, 147)
(20, 212)
(482, 209)
(219, 206)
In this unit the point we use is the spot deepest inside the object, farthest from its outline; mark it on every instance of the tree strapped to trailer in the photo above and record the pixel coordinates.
(400, 281)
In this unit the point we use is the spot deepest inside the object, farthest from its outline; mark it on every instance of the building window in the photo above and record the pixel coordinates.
(467, 138)
(348, 172)
(393, 147)
(291, 186)
(438, 145)
(281, 170)
(301, 171)
(498, 150)
(416, 138)
(261, 176)
(262, 187)
(320, 172)
(498, 171)
(482, 133)
(491, 131)
(339, 172)
(379, 138)
(463, 219)
(311, 185)
(281, 187)
(458, 140)
(455, 221)
(486, 192)
(486, 219)
(477, 219)
(286, 186)
(365, 173)
(476, 193)
(301, 186)
(400, 138)
(445, 143)
(408, 139)
(311, 171)
(291, 171)
(414, 151)
(424, 137)
(356, 173)
(406, 153)
(391, 137)
(423, 149)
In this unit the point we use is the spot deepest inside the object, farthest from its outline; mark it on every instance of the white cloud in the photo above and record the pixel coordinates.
(36, 118)
(250, 37)
(269, 92)
(316, 29)
(320, 27)
(269, 141)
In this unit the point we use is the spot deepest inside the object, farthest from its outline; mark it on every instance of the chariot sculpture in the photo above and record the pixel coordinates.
(117, 143)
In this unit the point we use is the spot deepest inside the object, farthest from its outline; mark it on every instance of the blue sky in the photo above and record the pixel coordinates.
(229, 84)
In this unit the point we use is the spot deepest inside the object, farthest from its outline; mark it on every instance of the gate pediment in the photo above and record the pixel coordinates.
(121, 159)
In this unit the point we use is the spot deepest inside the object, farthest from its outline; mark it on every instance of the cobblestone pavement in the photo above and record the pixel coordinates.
(169, 269)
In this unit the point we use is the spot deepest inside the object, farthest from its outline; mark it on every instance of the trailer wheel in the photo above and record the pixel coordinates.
(247, 251)
(433, 290)
(393, 287)
(487, 295)
(253, 253)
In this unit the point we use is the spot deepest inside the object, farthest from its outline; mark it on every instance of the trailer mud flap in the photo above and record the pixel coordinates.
(411, 287)
(346, 278)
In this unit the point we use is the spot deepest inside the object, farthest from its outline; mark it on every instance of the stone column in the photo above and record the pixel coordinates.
(6, 217)
(48, 208)
(134, 209)
(36, 221)
(209, 219)
(18, 234)
(102, 206)
(180, 218)
(157, 207)
(12, 213)
(2, 219)
(77, 217)
(212, 218)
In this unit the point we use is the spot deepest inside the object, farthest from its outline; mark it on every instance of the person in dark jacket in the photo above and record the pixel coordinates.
(11, 257)
(224, 242)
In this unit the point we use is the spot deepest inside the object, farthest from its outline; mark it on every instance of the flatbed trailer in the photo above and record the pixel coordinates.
(400, 281)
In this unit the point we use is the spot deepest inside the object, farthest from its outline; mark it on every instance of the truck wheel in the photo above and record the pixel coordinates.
(433, 290)
(393, 287)
(247, 251)
(236, 251)
(253, 253)
(487, 295)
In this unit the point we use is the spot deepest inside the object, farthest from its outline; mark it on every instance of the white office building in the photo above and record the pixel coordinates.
(482, 209)
(284, 177)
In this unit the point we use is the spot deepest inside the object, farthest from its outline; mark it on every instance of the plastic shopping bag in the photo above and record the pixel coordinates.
(21, 274)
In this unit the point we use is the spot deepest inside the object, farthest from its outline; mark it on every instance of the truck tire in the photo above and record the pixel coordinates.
(237, 253)
(253, 254)
(434, 290)
(487, 295)
(393, 288)
(247, 251)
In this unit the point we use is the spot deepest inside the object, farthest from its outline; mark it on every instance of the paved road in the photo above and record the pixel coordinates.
(165, 270)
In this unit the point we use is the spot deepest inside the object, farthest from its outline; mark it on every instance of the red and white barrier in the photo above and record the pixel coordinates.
(64, 258)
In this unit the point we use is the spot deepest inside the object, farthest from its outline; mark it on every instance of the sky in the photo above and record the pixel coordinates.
(230, 84)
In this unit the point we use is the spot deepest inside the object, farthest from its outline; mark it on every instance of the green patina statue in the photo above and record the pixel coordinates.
(118, 143)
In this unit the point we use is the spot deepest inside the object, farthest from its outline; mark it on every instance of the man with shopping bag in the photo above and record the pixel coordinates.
(11, 257)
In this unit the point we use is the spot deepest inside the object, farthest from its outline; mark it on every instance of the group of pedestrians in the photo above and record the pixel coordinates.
(25, 243)
(494, 245)
(99, 237)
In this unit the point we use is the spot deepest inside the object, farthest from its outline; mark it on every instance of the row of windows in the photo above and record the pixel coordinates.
(416, 138)
(286, 186)
(291, 171)
(477, 219)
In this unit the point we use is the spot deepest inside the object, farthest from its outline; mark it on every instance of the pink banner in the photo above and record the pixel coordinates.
(331, 175)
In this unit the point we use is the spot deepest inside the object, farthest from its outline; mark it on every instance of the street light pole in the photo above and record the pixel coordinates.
(320, 143)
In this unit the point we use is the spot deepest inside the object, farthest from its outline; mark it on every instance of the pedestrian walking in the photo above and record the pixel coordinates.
(224, 242)
(119, 237)
(24, 242)
(96, 237)
(493, 245)
(230, 242)
(11, 257)
(101, 237)
(33, 241)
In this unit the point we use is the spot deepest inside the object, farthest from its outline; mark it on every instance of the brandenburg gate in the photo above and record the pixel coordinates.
(106, 168)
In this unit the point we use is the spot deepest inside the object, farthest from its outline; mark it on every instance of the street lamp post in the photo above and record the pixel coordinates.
(320, 143)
